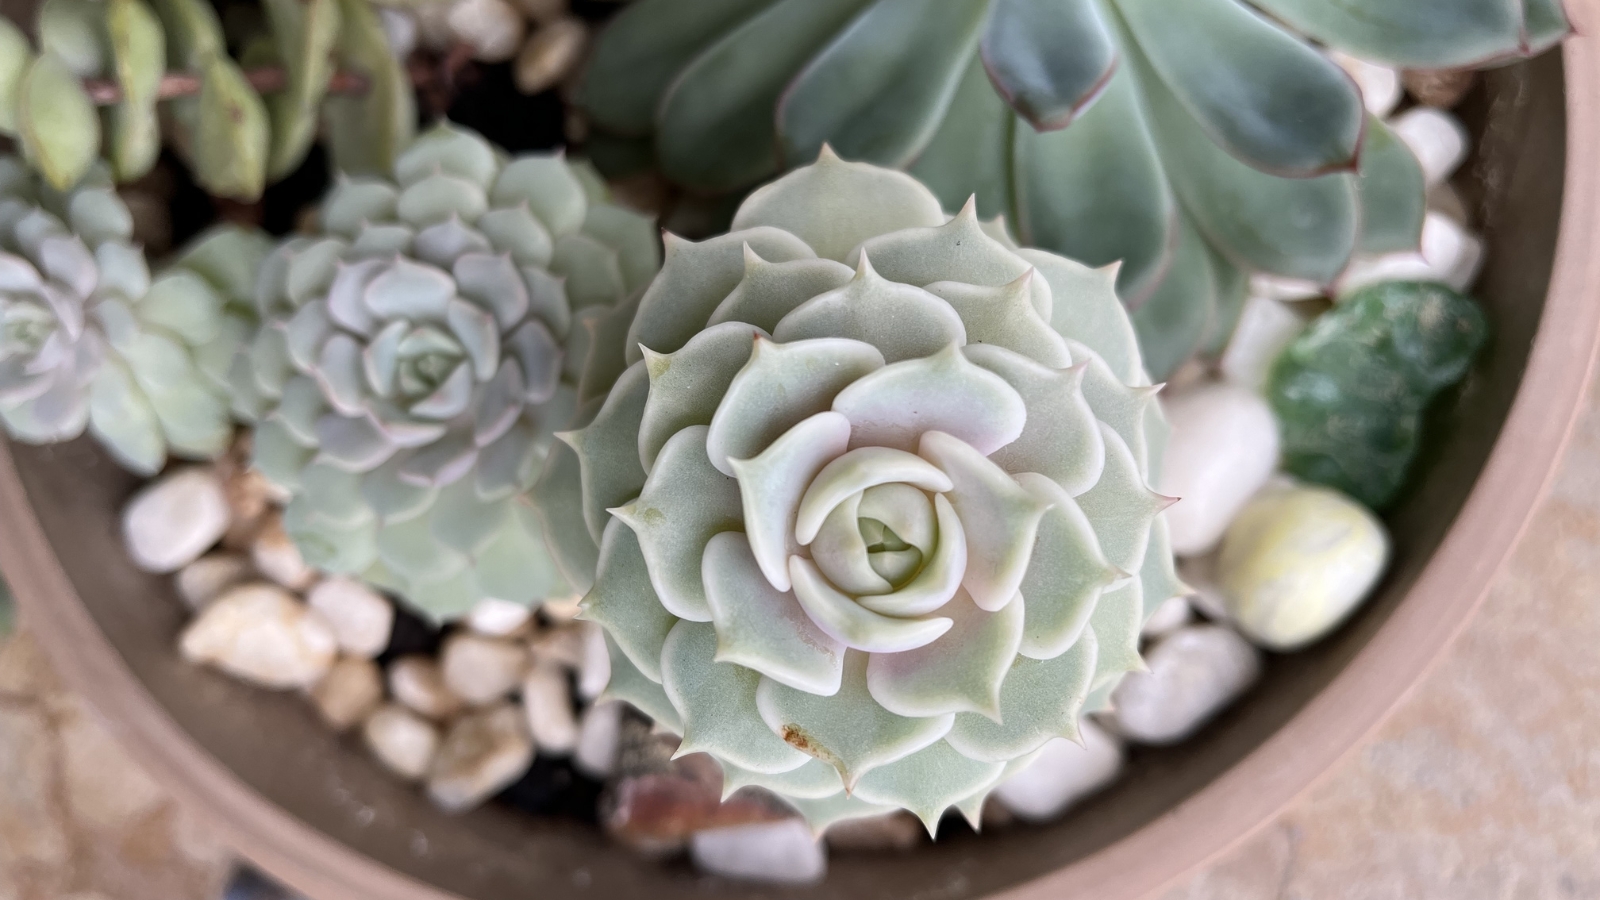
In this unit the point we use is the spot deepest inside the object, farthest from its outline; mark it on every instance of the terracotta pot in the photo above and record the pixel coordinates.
(313, 810)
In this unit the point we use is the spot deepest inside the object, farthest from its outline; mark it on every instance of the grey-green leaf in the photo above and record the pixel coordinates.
(15, 57)
(1023, 49)
(139, 57)
(970, 154)
(304, 32)
(74, 30)
(367, 132)
(1393, 193)
(1176, 318)
(56, 122)
(230, 137)
(1422, 34)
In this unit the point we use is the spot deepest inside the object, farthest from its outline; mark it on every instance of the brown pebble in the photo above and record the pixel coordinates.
(1444, 88)
(550, 53)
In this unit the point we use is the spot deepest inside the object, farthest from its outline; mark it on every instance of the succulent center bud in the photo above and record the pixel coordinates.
(426, 357)
(25, 327)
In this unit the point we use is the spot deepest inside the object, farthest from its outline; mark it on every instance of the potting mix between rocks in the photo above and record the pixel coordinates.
(757, 428)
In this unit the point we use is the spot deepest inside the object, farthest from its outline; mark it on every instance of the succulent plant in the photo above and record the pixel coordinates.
(92, 341)
(133, 57)
(1195, 142)
(410, 370)
(869, 490)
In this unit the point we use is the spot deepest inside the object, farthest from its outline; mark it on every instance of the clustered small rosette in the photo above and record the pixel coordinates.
(91, 340)
(410, 372)
(870, 494)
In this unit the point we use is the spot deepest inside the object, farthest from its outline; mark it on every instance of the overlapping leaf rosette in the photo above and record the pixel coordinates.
(870, 492)
(410, 370)
(92, 341)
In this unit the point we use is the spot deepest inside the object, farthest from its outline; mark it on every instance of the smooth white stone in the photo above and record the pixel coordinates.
(1278, 287)
(481, 670)
(599, 733)
(547, 700)
(481, 755)
(1266, 326)
(1172, 614)
(1297, 562)
(417, 682)
(362, 618)
(498, 618)
(400, 28)
(1380, 85)
(492, 28)
(263, 634)
(1448, 253)
(1194, 674)
(783, 852)
(402, 741)
(594, 672)
(433, 25)
(562, 610)
(1437, 138)
(1063, 774)
(560, 646)
(175, 519)
(350, 692)
(205, 579)
(550, 54)
(276, 556)
(1223, 448)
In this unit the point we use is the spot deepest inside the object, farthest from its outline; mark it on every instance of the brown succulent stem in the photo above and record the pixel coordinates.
(265, 79)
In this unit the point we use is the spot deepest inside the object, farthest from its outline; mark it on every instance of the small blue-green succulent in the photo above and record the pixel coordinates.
(868, 490)
(90, 340)
(412, 365)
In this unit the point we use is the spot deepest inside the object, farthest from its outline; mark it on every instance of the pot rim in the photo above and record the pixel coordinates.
(1238, 804)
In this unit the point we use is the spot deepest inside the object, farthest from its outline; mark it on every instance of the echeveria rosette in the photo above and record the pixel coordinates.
(90, 340)
(870, 494)
(411, 366)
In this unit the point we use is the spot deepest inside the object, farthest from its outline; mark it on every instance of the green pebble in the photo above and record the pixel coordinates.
(1351, 391)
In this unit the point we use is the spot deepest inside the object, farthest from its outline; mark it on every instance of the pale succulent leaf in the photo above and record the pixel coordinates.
(547, 184)
(855, 471)
(451, 149)
(56, 122)
(442, 242)
(961, 673)
(331, 547)
(970, 154)
(592, 270)
(623, 601)
(770, 291)
(1059, 438)
(928, 782)
(999, 516)
(517, 231)
(192, 29)
(687, 385)
(194, 419)
(16, 55)
(941, 573)
(1066, 573)
(461, 520)
(903, 321)
(73, 31)
(630, 685)
(1041, 699)
(1022, 52)
(365, 133)
(1120, 506)
(184, 304)
(840, 807)
(895, 405)
(355, 202)
(717, 702)
(1393, 193)
(772, 483)
(304, 33)
(1005, 317)
(1422, 34)
(122, 420)
(1122, 406)
(816, 780)
(959, 250)
(1158, 578)
(1116, 622)
(1174, 322)
(138, 49)
(634, 238)
(558, 499)
(854, 625)
(764, 629)
(840, 552)
(605, 331)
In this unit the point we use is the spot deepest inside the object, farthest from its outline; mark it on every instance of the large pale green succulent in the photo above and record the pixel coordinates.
(869, 489)
(1193, 141)
(410, 370)
(91, 340)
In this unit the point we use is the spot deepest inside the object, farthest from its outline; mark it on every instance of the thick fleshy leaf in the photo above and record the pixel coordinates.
(999, 516)
(1273, 101)
(71, 31)
(856, 471)
(771, 291)
(185, 305)
(231, 136)
(695, 279)
(840, 552)
(854, 625)
(303, 32)
(1097, 191)
(1022, 51)
(816, 780)
(56, 122)
(441, 243)
(684, 502)
(1116, 622)
(591, 270)
(849, 730)
(772, 484)
(608, 450)
(630, 685)
(1174, 321)
(961, 673)
(366, 132)
(1158, 579)
(558, 500)
(928, 782)
(516, 231)
(718, 704)
(1005, 317)
(1059, 439)
(604, 333)
(1420, 34)
(1040, 699)
(548, 186)
(687, 385)
(941, 573)
(138, 57)
(120, 418)
(447, 148)
(970, 154)
(16, 54)
(1123, 407)
(762, 628)
(901, 320)
(1120, 506)
(835, 205)
(895, 405)
(633, 236)
(1066, 573)
(840, 807)
(1393, 193)
(879, 89)
(715, 123)
(959, 250)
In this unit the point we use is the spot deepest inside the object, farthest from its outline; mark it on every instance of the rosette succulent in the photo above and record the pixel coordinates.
(92, 341)
(410, 367)
(869, 487)
(1194, 141)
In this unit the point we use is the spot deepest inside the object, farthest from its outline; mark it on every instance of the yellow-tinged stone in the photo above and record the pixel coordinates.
(1296, 561)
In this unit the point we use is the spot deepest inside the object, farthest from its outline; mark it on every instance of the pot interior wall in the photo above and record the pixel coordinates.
(275, 744)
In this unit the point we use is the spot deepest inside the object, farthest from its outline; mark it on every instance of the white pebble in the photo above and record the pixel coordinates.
(1172, 614)
(1448, 253)
(1223, 448)
(350, 691)
(276, 556)
(1380, 85)
(562, 610)
(481, 670)
(1194, 674)
(1265, 328)
(263, 634)
(498, 618)
(1278, 287)
(594, 672)
(1437, 138)
(400, 28)
(403, 741)
(492, 28)
(599, 734)
(204, 580)
(1062, 774)
(547, 700)
(783, 852)
(561, 646)
(417, 682)
(1297, 562)
(173, 520)
(550, 55)
(433, 25)
(481, 755)
(361, 618)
